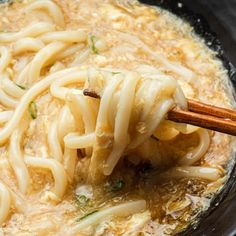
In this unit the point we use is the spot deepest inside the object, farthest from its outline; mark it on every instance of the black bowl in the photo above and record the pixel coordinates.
(215, 21)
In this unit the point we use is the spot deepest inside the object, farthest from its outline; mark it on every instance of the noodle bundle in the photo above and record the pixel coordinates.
(68, 117)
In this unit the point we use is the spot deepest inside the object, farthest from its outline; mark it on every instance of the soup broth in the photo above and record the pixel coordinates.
(49, 186)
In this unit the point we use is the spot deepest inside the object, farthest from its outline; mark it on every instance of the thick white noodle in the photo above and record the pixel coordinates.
(32, 30)
(192, 156)
(22, 78)
(122, 210)
(76, 113)
(18, 201)
(77, 141)
(59, 91)
(208, 173)
(152, 122)
(56, 67)
(52, 9)
(147, 99)
(42, 57)
(54, 142)
(5, 202)
(65, 125)
(5, 58)
(124, 109)
(87, 115)
(180, 98)
(113, 109)
(72, 50)
(7, 101)
(29, 96)
(5, 116)
(27, 45)
(70, 160)
(16, 158)
(11, 88)
(102, 120)
(82, 57)
(4, 62)
(55, 167)
(140, 100)
(86, 112)
(68, 36)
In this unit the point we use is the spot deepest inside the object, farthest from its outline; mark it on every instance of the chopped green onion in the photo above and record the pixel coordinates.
(33, 110)
(21, 86)
(81, 200)
(115, 73)
(115, 186)
(85, 216)
(93, 47)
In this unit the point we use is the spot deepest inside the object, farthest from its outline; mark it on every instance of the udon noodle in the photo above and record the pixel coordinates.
(84, 103)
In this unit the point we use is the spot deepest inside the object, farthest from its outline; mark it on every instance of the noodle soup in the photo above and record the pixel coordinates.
(86, 148)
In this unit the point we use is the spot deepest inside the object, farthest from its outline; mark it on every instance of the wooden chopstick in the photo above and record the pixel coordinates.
(204, 121)
(206, 109)
(206, 116)
(199, 114)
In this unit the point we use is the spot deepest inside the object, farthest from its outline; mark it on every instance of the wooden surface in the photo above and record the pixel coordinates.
(206, 116)
(211, 110)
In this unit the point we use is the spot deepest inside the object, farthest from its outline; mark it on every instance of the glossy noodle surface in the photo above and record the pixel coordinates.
(85, 146)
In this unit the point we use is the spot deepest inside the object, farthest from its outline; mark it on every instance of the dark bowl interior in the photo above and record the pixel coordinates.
(215, 21)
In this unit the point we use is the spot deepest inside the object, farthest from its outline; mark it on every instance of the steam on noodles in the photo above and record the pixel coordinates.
(55, 140)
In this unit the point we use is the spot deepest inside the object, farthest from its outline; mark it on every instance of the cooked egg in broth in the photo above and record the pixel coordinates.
(86, 148)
